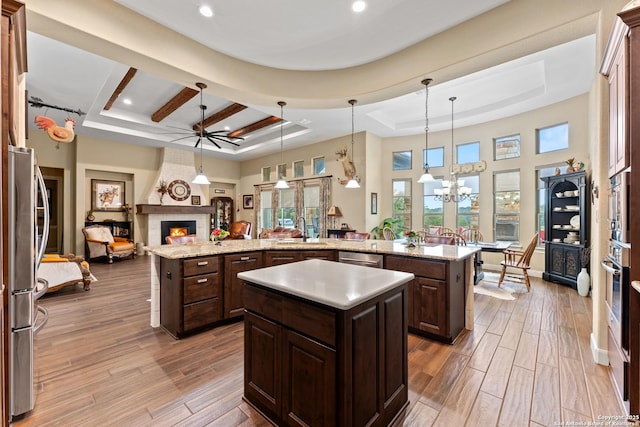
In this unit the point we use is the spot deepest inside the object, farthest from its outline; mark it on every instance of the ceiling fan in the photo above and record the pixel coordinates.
(201, 133)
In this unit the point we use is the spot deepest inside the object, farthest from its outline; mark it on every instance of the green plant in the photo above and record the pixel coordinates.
(393, 223)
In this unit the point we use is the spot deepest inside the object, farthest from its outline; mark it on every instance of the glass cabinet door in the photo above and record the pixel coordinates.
(223, 212)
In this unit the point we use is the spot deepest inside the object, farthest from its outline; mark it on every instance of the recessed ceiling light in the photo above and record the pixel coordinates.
(227, 128)
(358, 6)
(127, 101)
(206, 11)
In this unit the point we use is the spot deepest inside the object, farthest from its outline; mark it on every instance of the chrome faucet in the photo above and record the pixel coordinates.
(304, 227)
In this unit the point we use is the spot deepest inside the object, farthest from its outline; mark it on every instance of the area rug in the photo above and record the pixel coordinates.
(508, 291)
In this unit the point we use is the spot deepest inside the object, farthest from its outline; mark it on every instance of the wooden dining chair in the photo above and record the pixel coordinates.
(518, 260)
(350, 235)
(472, 235)
(388, 234)
(457, 238)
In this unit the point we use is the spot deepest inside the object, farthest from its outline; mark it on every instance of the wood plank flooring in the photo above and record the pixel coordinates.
(99, 363)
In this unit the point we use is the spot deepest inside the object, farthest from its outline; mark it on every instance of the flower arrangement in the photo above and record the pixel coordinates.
(585, 257)
(573, 166)
(413, 239)
(410, 234)
(218, 234)
(163, 188)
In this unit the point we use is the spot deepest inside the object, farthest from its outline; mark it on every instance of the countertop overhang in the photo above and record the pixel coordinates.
(442, 252)
(341, 286)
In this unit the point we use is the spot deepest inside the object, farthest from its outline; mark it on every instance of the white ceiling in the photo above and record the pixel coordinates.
(319, 36)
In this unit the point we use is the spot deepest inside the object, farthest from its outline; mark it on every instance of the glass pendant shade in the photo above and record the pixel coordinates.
(352, 184)
(281, 184)
(201, 179)
(426, 177)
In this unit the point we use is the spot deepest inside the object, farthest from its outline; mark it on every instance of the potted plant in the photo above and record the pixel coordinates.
(393, 223)
(90, 216)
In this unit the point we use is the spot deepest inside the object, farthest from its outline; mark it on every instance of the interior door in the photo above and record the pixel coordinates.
(54, 182)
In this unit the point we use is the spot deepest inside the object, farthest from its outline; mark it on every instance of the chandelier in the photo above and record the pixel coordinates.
(453, 189)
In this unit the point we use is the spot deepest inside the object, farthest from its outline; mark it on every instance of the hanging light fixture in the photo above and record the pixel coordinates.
(201, 178)
(426, 176)
(453, 189)
(281, 184)
(353, 181)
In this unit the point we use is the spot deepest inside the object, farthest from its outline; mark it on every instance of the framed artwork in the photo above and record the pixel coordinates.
(507, 147)
(107, 195)
(374, 203)
(247, 201)
(195, 200)
(219, 191)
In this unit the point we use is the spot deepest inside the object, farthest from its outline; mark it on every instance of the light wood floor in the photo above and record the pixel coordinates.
(527, 363)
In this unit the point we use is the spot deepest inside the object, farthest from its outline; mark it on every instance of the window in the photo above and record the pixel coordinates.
(542, 172)
(264, 217)
(506, 147)
(433, 156)
(433, 210)
(312, 210)
(266, 174)
(468, 153)
(282, 171)
(507, 205)
(401, 200)
(469, 210)
(287, 208)
(298, 169)
(552, 138)
(318, 165)
(401, 160)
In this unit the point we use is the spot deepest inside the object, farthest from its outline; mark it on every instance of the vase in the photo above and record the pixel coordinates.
(584, 282)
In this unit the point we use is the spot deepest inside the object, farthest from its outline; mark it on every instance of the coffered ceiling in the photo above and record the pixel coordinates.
(286, 35)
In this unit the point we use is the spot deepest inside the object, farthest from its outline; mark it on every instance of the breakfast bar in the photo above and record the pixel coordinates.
(334, 331)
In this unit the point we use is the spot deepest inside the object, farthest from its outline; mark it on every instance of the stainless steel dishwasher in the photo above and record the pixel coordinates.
(359, 258)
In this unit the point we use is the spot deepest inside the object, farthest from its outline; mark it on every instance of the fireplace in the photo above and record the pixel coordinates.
(176, 228)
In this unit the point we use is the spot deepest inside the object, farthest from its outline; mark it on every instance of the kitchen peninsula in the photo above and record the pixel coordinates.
(334, 331)
(195, 286)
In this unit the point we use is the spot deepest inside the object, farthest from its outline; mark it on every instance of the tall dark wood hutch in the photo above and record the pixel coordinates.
(223, 214)
(566, 226)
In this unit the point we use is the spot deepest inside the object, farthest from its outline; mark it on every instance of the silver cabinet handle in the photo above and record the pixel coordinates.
(202, 263)
(202, 280)
(244, 258)
(608, 269)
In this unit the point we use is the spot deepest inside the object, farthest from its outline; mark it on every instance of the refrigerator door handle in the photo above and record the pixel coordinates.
(41, 290)
(45, 319)
(42, 190)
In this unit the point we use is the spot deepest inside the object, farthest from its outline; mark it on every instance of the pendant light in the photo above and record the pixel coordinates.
(201, 178)
(353, 182)
(281, 184)
(426, 176)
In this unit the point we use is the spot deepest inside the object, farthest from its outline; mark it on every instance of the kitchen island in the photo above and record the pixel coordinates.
(326, 343)
(195, 286)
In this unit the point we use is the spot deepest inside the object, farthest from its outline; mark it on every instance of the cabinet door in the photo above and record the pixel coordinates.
(431, 306)
(262, 375)
(309, 392)
(325, 255)
(234, 264)
(565, 261)
(272, 258)
(618, 147)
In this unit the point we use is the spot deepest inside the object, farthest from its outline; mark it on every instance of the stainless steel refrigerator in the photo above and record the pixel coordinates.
(27, 242)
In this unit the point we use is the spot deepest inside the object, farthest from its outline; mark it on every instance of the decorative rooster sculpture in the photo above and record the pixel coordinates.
(55, 132)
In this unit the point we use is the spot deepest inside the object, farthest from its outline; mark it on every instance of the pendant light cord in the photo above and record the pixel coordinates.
(453, 158)
(426, 83)
(352, 102)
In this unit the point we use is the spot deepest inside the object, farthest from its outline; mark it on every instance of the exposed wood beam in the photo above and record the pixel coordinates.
(255, 126)
(220, 116)
(174, 103)
(123, 83)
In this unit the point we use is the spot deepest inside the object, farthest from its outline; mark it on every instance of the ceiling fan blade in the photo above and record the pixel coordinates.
(177, 127)
(197, 143)
(184, 137)
(223, 140)
(213, 142)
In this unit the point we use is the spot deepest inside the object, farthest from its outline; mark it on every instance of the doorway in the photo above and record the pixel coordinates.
(54, 183)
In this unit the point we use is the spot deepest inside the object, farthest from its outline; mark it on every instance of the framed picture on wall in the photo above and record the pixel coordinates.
(195, 200)
(374, 203)
(107, 195)
(247, 201)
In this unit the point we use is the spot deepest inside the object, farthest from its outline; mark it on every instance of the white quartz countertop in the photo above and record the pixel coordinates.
(442, 252)
(337, 285)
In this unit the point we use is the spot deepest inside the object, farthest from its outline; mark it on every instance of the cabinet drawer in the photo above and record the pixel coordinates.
(432, 269)
(308, 319)
(202, 265)
(197, 288)
(202, 313)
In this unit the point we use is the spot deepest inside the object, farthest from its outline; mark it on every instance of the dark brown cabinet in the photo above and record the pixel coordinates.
(566, 230)
(436, 295)
(223, 214)
(234, 264)
(190, 294)
(311, 364)
(272, 258)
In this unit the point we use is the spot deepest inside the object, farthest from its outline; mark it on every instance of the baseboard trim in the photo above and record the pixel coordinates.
(600, 356)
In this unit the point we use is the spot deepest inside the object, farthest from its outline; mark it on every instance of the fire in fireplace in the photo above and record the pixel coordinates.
(176, 228)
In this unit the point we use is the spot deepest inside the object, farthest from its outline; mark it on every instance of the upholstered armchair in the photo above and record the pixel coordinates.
(100, 243)
(181, 240)
(239, 230)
